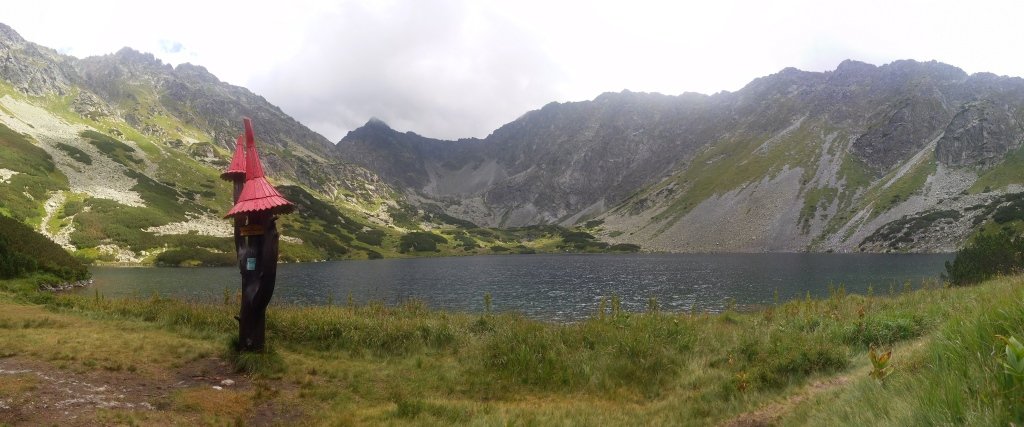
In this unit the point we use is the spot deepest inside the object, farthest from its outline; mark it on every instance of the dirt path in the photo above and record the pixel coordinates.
(770, 414)
(36, 393)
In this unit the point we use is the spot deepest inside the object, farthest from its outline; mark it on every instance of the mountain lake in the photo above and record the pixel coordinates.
(562, 288)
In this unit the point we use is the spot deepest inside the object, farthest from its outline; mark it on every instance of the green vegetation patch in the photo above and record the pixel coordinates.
(162, 197)
(420, 241)
(907, 185)
(23, 195)
(605, 355)
(815, 199)
(903, 231)
(987, 255)
(323, 226)
(194, 257)
(730, 164)
(75, 153)
(407, 364)
(107, 221)
(116, 150)
(465, 241)
(24, 251)
(960, 376)
(405, 216)
(582, 241)
(436, 214)
(1009, 171)
(624, 247)
(371, 237)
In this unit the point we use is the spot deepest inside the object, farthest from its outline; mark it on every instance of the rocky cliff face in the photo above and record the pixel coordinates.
(793, 161)
(551, 165)
(980, 134)
(33, 69)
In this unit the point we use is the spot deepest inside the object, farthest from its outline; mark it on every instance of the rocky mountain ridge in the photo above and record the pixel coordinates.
(793, 161)
(117, 158)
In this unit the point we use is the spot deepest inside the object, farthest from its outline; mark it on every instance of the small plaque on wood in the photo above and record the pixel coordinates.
(252, 230)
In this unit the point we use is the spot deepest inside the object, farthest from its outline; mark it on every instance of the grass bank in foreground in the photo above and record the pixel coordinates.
(800, 362)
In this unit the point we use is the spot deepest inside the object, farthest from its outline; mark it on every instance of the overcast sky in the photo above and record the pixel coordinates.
(453, 68)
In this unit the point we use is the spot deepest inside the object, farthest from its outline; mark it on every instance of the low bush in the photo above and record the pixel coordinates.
(194, 257)
(420, 241)
(75, 153)
(990, 254)
(372, 237)
(23, 251)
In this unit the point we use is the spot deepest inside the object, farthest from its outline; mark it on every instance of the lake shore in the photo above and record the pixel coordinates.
(800, 362)
(564, 287)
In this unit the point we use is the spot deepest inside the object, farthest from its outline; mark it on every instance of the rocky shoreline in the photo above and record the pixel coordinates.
(66, 286)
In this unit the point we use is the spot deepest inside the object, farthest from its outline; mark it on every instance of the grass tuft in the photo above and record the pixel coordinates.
(267, 363)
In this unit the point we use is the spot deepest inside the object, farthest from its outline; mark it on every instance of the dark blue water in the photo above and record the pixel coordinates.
(549, 287)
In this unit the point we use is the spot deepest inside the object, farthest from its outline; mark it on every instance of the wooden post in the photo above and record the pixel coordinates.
(256, 238)
(258, 265)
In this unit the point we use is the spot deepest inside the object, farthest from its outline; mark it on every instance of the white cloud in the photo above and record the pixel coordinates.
(452, 68)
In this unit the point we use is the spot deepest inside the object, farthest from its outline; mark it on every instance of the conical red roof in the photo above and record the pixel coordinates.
(257, 193)
(236, 170)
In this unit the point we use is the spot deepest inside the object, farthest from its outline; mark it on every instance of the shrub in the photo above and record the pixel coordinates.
(76, 154)
(420, 241)
(884, 329)
(467, 243)
(23, 252)
(574, 237)
(990, 254)
(116, 150)
(784, 358)
(371, 237)
(194, 257)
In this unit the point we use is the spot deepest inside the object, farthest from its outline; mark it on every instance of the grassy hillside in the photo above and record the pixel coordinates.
(797, 362)
(110, 192)
(34, 176)
(23, 252)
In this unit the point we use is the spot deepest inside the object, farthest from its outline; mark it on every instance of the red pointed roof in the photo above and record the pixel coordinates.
(253, 167)
(257, 193)
(236, 170)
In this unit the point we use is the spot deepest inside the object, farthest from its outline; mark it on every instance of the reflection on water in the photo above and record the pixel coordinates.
(550, 287)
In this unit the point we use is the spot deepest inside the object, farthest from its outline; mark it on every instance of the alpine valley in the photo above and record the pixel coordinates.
(116, 158)
(908, 157)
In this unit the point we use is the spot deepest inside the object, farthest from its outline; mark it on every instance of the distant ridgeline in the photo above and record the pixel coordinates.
(24, 252)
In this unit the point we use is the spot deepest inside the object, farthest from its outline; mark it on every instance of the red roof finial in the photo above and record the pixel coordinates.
(257, 193)
(253, 167)
(236, 170)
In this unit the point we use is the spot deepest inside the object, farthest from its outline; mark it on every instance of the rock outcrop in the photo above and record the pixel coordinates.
(33, 69)
(980, 135)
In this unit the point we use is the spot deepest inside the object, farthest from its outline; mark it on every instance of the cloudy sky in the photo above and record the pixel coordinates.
(461, 68)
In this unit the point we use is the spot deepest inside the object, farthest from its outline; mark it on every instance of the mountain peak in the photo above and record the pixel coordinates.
(932, 68)
(852, 65)
(8, 33)
(376, 123)
(197, 72)
(129, 55)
